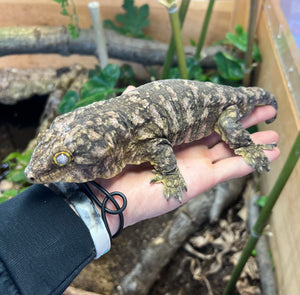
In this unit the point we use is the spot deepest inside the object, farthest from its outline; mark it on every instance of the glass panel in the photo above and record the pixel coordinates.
(291, 11)
(285, 43)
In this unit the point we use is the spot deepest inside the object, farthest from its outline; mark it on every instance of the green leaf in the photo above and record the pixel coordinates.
(133, 21)
(62, 2)
(239, 39)
(23, 189)
(239, 30)
(73, 30)
(94, 72)
(216, 78)
(110, 75)
(16, 176)
(88, 100)
(64, 12)
(4, 198)
(23, 158)
(98, 87)
(109, 24)
(17, 162)
(195, 72)
(69, 100)
(230, 68)
(256, 55)
(127, 75)
(252, 129)
(12, 156)
(262, 201)
(107, 79)
(103, 95)
(8, 194)
(91, 87)
(174, 73)
(16, 158)
(193, 42)
(73, 26)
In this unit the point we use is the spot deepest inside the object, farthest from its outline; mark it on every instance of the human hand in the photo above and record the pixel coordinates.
(203, 164)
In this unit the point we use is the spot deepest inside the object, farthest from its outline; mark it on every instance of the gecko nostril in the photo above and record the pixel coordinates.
(31, 179)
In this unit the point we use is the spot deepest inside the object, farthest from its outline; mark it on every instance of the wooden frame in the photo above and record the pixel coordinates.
(274, 74)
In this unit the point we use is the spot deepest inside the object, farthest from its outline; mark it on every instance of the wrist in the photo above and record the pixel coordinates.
(110, 206)
(113, 220)
(86, 210)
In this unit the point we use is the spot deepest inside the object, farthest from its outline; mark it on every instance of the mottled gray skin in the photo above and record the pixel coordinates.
(142, 126)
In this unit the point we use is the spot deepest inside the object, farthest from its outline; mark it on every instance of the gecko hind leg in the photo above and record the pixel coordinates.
(255, 157)
(233, 133)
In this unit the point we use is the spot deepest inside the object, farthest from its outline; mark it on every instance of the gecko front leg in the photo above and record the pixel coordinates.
(233, 133)
(166, 170)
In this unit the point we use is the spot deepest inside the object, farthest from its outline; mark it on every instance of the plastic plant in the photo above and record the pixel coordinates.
(265, 213)
(250, 41)
(73, 26)
(16, 162)
(94, 9)
(231, 69)
(171, 50)
(172, 8)
(195, 72)
(204, 28)
(101, 83)
(133, 21)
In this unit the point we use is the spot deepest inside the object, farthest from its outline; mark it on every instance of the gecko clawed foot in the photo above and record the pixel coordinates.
(255, 157)
(173, 183)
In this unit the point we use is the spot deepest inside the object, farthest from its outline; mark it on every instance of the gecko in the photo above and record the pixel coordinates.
(143, 125)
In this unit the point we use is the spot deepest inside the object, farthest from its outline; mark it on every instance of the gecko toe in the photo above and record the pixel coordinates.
(173, 183)
(255, 157)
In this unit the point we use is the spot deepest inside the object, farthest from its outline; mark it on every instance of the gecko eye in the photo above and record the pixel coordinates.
(62, 158)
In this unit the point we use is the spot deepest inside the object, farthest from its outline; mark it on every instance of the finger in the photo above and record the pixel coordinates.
(211, 140)
(259, 114)
(235, 166)
(129, 88)
(221, 150)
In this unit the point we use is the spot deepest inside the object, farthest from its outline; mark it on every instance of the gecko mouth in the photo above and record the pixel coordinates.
(33, 178)
(28, 175)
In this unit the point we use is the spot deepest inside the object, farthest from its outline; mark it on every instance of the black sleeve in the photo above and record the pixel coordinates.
(43, 243)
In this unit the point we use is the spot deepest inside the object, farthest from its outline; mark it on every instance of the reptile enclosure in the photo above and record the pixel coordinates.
(278, 73)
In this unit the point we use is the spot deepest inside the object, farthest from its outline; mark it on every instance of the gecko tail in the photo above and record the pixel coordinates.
(272, 102)
(267, 98)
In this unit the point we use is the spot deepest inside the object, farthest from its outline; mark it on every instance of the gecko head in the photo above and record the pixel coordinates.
(69, 153)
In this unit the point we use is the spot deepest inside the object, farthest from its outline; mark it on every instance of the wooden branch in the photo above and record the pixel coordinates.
(42, 39)
(19, 84)
(158, 253)
(226, 193)
(75, 291)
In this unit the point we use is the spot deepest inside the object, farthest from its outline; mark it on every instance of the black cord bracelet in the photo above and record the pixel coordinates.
(104, 210)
